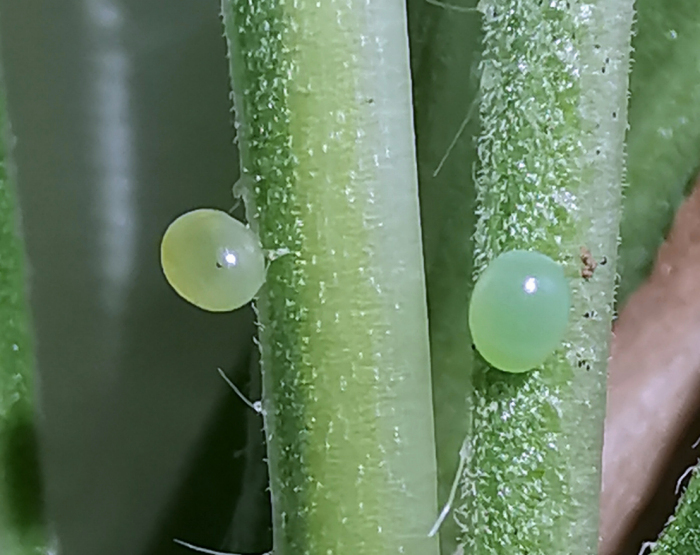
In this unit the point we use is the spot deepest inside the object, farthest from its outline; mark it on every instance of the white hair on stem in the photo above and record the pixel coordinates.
(452, 7)
(209, 551)
(463, 456)
(461, 129)
(685, 474)
(256, 406)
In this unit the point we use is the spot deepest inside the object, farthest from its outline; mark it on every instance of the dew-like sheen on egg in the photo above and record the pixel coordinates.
(519, 310)
(212, 260)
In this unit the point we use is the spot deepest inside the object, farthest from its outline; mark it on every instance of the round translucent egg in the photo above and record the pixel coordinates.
(212, 260)
(519, 310)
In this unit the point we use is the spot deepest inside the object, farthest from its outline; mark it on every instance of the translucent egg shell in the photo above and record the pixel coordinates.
(519, 310)
(212, 260)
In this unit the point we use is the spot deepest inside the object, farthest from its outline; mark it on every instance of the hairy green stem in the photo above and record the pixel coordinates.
(21, 502)
(682, 533)
(323, 104)
(553, 115)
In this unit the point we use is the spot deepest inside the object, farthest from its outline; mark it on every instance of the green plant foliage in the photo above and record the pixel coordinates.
(212, 260)
(682, 534)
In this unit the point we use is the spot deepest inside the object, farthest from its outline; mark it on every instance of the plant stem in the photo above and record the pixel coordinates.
(322, 97)
(553, 114)
(682, 534)
(22, 529)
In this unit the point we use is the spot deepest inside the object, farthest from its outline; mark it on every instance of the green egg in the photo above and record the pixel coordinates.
(519, 310)
(212, 260)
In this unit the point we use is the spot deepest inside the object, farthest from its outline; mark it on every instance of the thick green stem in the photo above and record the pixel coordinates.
(21, 503)
(323, 102)
(553, 113)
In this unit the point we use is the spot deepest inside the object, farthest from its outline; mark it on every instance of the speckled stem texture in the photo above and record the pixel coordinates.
(21, 508)
(682, 534)
(549, 178)
(323, 106)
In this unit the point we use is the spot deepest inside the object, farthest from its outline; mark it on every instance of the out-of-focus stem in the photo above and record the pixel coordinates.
(22, 530)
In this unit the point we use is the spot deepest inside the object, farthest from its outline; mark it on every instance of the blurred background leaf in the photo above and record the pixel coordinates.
(445, 47)
(663, 143)
(122, 119)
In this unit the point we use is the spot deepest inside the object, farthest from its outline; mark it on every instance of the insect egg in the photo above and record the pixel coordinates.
(212, 260)
(519, 310)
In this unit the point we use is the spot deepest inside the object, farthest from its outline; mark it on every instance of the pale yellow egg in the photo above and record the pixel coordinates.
(212, 260)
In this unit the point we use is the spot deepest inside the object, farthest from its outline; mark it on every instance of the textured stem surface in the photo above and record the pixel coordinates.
(553, 114)
(323, 103)
(682, 534)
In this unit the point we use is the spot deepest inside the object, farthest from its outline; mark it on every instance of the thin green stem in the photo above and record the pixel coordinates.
(553, 115)
(323, 104)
